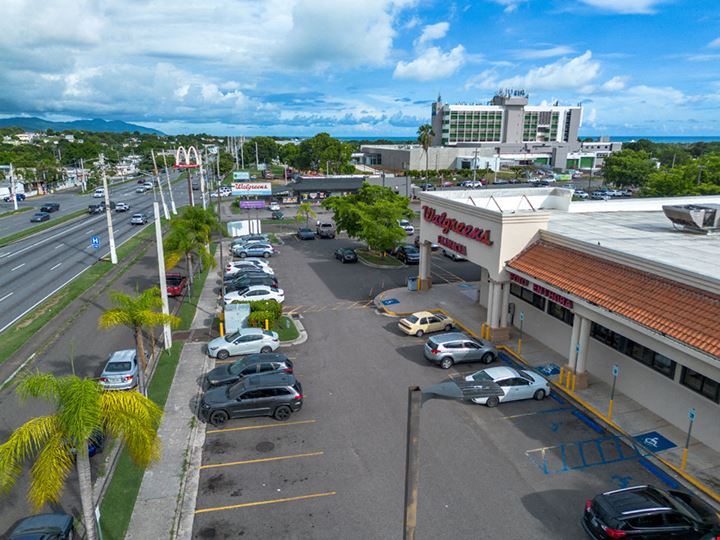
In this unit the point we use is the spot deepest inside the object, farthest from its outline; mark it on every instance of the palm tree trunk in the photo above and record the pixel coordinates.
(188, 257)
(86, 489)
(142, 364)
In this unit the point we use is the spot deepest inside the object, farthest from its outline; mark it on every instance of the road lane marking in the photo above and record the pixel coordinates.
(260, 460)
(90, 231)
(58, 246)
(5, 254)
(54, 267)
(10, 294)
(260, 426)
(260, 503)
(18, 266)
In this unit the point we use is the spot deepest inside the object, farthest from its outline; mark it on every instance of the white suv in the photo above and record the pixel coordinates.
(99, 192)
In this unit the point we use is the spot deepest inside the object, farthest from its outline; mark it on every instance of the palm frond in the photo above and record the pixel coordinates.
(38, 385)
(79, 412)
(114, 317)
(50, 470)
(24, 444)
(135, 419)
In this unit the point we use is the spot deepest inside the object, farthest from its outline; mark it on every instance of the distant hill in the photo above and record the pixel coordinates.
(32, 123)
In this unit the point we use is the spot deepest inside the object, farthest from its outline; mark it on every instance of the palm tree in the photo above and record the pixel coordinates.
(425, 135)
(53, 442)
(189, 235)
(305, 211)
(137, 312)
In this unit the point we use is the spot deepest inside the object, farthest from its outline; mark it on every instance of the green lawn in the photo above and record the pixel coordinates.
(46, 225)
(18, 211)
(375, 258)
(286, 329)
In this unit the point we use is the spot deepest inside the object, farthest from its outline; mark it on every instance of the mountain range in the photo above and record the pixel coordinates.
(32, 123)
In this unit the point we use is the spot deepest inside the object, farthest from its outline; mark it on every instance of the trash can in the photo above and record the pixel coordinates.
(412, 284)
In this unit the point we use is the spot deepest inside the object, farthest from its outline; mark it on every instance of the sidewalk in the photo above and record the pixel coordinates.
(459, 300)
(161, 508)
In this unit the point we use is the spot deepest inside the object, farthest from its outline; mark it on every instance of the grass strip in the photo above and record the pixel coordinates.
(286, 329)
(18, 211)
(283, 221)
(16, 336)
(38, 228)
(374, 258)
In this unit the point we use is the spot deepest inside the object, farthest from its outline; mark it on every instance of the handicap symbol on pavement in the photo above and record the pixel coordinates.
(95, 241)
(549, 369)
(622, 481)
(655, 442)
(555, 426)
(390, 301)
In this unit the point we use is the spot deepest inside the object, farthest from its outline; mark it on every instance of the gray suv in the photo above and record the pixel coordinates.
(250, 365)
(121, 371)
(264, 394)
(455, 347)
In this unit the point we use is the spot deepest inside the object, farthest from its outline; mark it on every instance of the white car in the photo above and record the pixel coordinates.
(453, 255)
(274, 206)
(99, 193)
(259, 263)
(148, 185)
(406, 226)
(580, 194)
(509, 384)
(234, 267)
(255, 292)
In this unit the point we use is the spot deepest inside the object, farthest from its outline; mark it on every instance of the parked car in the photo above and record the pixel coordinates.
(264, 394)
(473, 184)
(456, 347)
(423, 322)
(244, 341)
(600, 195)
(515, 384)
(255, 292)
(249, 271)
(247, 238)
(325, 230)
(500, 181)
(138, 219)
(407, 253)
(453, 255)
(248, 264)
(51, 526)
(195, 185)
(580, 194)
(39, 216)
(121, 371)
(346, 255)
(648, 512)
(305, 234)
(50, 207)
(249, 280)
(277, 214)
(259, 249)
(99, 193)
(406, 226)
(18, 197)
(433, 246)
(251, 364)
(122, 207)
(176, 284)
(427, 187)
(274, 206)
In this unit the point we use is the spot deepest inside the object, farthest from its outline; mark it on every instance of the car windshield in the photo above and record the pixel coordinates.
(232, 337)
(173, 280)
(412, 319)
(235, 390)
(268, 333)
(411, 249)
(481, 376)
(115, 367)
(525, 375)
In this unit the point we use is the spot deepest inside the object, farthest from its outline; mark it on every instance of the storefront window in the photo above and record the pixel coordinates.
(527, 295)
(701, 384)
(559, 312)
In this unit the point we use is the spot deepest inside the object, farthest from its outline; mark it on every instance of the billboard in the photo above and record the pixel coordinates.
(252, 204)
(244, 189)
(241, 175)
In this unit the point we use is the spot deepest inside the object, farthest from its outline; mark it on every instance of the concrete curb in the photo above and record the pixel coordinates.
(301, 339)
(380, 266)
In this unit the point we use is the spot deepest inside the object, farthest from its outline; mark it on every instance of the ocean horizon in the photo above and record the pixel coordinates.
(678, 139)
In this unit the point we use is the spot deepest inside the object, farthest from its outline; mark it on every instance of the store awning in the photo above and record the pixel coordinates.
(686, 314)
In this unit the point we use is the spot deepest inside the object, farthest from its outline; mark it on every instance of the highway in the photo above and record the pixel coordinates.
(33, 268)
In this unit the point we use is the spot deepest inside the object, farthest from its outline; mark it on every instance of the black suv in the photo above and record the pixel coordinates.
(249, 280)
(648, 512)
(263, 394)
(251, 364)
(407, 253)
(50, 207)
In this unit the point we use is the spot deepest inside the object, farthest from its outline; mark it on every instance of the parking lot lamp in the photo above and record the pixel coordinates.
(108, 213)
(167, 334)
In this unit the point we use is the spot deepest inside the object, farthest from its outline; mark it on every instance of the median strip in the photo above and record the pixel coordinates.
(39, 228)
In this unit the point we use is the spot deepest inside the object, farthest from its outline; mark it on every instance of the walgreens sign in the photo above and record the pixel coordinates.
(448, 224)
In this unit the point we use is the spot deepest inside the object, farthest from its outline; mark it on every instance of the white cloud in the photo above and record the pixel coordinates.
(432, 32)
(412, 23)
(625, 6)
(614, 84)
(714, 43)
(510, 5)
(533, 54)
(431, 64)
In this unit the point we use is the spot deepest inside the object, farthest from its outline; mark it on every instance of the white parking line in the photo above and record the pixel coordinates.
(18, 266)
(58, 246)
(54, 267)
(5, 254)
(6, 296)
(90, 231)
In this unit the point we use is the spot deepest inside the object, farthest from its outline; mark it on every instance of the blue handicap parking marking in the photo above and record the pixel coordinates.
(549, 369)
(390, 301)
(621, 481)
(653, 441)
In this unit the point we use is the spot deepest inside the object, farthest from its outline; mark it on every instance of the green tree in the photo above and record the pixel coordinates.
(305, 211)
(189, 236)
(137, 313)
(425, 135)
(267, 150)
(628, 168)
(54, 441)
(324, 152)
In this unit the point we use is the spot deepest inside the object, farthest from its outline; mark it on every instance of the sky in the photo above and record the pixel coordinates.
(367, 68)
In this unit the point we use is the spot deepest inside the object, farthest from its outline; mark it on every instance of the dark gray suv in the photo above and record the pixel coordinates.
(250, 365)
(264, 394)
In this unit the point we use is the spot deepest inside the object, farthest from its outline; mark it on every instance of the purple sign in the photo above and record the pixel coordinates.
(252, 204)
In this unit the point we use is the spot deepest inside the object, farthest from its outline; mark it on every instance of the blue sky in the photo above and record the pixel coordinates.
(370, 68)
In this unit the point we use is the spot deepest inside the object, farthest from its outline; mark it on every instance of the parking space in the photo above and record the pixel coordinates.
(335, 469)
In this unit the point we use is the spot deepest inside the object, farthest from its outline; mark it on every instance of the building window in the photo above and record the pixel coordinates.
(700, 384)
(527, 295)
(560, 312)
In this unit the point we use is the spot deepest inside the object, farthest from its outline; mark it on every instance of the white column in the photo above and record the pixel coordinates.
(167, 333)
(572, 354)
(583, 340)
(505, 302)
(496, 305)
(424, 267)
(491, 298)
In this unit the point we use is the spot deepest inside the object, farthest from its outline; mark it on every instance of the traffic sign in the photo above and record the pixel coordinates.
(95, 241)
(522, 316)
(691, 414)
(616, 370)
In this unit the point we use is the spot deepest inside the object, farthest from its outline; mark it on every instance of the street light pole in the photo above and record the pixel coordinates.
(167, 334)
(167, 176)
(108, 212)
(412, 462)
(13, 195)
(159, 185)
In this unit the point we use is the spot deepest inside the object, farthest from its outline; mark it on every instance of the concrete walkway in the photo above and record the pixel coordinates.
(629, 418)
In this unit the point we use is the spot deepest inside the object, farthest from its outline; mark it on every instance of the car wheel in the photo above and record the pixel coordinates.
(419, 333)
(283, 412)
(218, 418)
(243, 254)
(492, 401)
(222, 354)
(266, 349)
(488, 358)
(447, 362)
(266, 255)
(448, 327)
(539, 395)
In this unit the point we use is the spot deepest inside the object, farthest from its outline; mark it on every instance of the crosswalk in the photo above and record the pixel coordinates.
(336, 306)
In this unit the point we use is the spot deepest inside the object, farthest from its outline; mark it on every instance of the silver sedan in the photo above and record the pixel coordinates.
(515, 384)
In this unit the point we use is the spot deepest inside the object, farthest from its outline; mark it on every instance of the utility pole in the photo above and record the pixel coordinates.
(242, 153)
(475, 166)
(202, 182)
(159, 185)
(167, 175)
(108, 212)
(167, 334)
(257, 159)
(13, 195)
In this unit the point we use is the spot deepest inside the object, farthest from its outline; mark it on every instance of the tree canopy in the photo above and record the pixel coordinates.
(628, 167)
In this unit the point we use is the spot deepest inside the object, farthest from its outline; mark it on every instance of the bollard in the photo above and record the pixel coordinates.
(574, 379)
(222, 330)
(610, 408)
(562, 375)
(519, 346)
(267, 324)
(684, 458)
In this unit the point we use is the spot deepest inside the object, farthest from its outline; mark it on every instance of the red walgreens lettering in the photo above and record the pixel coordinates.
(449, 224)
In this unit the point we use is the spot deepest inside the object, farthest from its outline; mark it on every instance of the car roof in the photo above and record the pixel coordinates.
(259, 288)
(126, 355)
(249, 331)
(637, 499)
(263, 357)
(423, 314)
(273, 378)
(501, 372)
(450, 336)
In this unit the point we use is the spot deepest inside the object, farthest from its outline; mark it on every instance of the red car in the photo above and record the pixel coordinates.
(176, 284)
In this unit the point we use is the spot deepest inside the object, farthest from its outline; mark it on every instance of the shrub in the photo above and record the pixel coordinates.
(261, 310)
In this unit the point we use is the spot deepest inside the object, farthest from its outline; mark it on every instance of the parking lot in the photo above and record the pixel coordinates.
(336, 468)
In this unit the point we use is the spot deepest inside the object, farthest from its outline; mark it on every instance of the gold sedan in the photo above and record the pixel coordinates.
(423, 322)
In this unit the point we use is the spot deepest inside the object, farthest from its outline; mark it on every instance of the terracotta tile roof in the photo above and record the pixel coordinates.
(687, 314)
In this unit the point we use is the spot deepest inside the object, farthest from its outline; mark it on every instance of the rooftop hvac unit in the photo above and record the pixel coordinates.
(695, 218)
